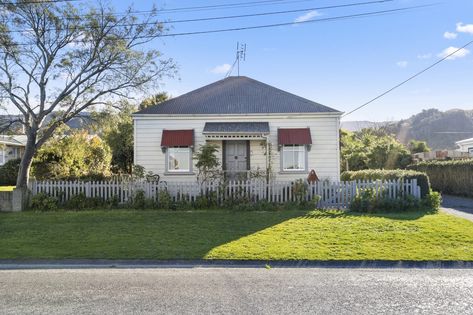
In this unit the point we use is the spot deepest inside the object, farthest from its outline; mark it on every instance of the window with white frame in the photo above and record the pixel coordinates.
(179, 159)
(293, 157)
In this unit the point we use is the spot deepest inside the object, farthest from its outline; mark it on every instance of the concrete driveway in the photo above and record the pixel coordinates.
(459, 206)
(236, 291)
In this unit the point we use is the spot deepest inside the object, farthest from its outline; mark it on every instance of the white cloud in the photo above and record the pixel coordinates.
(307, 17)
(221, 69)
(424, 56)
(459, 54)
(450, 35)
(402, 64)
(464, 28)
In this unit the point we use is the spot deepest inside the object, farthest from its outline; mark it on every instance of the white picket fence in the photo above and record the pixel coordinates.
(332, 195)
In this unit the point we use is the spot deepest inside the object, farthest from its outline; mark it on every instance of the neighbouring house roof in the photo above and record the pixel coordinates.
(236, 95)
(177, 138)
(465, 141)
(236, 127)
(13, 140)
(296, 136)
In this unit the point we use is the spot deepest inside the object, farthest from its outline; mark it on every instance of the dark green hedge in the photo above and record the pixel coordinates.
(449, 177)
(422, 178)
(9, 172)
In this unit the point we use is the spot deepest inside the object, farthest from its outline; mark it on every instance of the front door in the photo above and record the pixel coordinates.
(236, 159)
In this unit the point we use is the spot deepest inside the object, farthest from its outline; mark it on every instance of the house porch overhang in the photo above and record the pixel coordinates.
(236, 130)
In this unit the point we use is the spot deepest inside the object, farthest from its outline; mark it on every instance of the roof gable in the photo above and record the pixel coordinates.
(237, 95)
(14, 140)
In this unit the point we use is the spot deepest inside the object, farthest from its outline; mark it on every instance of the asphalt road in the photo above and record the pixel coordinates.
(236, 291)
(459, 206)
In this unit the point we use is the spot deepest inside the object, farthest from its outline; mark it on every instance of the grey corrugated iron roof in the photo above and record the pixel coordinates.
(236, 95)
(236, 127)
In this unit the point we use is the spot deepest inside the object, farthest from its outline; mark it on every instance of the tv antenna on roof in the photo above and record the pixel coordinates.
(240, 55)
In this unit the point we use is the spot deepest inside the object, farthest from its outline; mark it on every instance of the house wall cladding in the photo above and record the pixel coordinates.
(323, 155)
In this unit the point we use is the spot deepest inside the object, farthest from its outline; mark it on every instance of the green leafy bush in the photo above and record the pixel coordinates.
(449, 177)
(372, 148)
(44, 202)
(113, 202)
(81, 202)
(77, 156)
(165, 200)
(378, 174)
(139, 200)
(299, 190)
(264, 205)
(369, 201)
(432, 201)
(9, 172)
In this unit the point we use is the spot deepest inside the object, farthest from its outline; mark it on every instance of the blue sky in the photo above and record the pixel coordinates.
(342, 63)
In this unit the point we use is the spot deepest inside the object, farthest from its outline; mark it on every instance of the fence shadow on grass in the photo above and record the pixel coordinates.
(334, 214)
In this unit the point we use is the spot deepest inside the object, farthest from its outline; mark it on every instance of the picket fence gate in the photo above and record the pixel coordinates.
(332, 194)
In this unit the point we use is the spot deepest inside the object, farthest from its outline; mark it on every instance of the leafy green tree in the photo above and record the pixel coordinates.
(207, 162)
(154, 100)
(115, 125)
(8, 172)
(74, 156)
(63, 58)
(416, 146)
(372, 149)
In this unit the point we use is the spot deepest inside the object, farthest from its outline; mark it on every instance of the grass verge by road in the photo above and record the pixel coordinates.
(315, 235)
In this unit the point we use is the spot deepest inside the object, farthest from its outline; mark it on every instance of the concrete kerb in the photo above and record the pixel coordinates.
(131, 264)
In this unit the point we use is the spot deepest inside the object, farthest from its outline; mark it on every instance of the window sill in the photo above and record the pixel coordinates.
(178, 173)
(294, 172)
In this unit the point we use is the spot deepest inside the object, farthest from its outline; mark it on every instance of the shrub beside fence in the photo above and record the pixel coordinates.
(390, 175)
(329, 195)
(450, 177)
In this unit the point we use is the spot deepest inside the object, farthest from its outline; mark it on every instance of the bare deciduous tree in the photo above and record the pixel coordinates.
(58, 59)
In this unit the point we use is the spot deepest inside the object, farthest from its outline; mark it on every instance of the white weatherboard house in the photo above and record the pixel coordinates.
(11, 147)
(244, 117)
(465, 145)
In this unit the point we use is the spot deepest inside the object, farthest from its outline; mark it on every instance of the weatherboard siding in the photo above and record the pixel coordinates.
(323, 156)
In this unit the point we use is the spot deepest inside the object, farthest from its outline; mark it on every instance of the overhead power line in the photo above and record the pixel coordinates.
(279, 12)
(328, 19)
(185, 9)
(408, 79)
(237, 16)
(237, 4)
(35, 2)
(247, 4)
(336, 18)
(191, 9)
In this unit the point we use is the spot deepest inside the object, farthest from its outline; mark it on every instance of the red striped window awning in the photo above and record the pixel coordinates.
(296, 136)
(178, 138)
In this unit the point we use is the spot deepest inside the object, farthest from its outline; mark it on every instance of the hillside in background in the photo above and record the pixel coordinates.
(440, 129)
(81, 121)
(362, 124)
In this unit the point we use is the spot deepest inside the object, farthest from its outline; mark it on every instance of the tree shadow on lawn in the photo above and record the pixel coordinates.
(143, 234)
(128, 234)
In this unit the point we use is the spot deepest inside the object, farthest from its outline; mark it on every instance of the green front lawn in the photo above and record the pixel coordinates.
(128, 234)
(7, 188)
